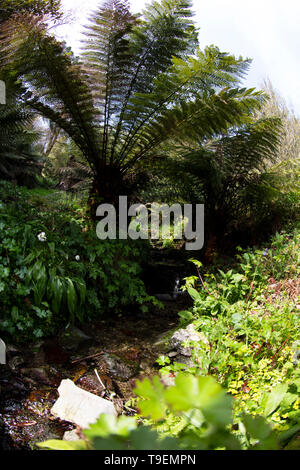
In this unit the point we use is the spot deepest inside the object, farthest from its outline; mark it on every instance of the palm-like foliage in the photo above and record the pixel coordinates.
(139, 82)
(229, 174)
(19, 159)
(9, 8)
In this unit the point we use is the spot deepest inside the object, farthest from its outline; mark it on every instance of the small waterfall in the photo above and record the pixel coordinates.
(176, 290)
(172, 296)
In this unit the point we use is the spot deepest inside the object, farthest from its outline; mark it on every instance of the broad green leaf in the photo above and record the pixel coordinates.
(63, 445)
(71, 296)
(109, 424)
(271, 401)
(153, 404)
(257, 427)
(144, 438)
(194, 294)
(57, 293)
(203, 393)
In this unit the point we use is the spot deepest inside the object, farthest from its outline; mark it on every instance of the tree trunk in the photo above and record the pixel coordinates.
(106, 189)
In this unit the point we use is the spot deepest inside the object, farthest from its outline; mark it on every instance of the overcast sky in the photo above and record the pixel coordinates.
(267, 31)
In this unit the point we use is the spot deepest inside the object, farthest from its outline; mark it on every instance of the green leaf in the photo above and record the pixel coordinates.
(153, 404)
(257, 427)
(271, 401)
(109, 424)
(145, 438)
(194, 294)
(185, 315)
(203, 393)
(54, 444)
(56, 294)
(15, 313)
(71, 296)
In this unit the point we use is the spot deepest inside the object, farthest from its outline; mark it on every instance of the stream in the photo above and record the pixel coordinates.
(121, 349)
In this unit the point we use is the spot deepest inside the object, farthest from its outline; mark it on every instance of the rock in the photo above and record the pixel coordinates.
(38, 374)
(90, 383)
(121, 369)
(165, 297)
(78, 406)
(187, 334)
(2, 352)
(186, 360)
(71, 436)
(72, 337)
(10, 348)
(45, 375)
(12, 386)
(161, 341)
(15, 362)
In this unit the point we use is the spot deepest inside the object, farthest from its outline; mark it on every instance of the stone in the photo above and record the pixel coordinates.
(71, 436)
(78, 406)
(187, 334)
(10, 348)
(40, 375)
(2, 352)
(15, 362)
(186, 360)
(121, 369)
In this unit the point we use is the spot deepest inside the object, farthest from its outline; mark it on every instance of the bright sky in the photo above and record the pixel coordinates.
(265, 30)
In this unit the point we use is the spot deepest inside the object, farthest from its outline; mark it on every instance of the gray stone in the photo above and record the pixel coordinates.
(2, 352)
(71, 436)
(188, 334)
(15, 362)
(121, 369)
(78, 406)
(186, 360)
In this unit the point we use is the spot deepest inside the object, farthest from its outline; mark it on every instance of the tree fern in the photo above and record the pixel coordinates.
(19, 158)
(140, 81)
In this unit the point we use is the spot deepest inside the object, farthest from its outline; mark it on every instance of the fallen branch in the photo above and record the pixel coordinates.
(87, 357)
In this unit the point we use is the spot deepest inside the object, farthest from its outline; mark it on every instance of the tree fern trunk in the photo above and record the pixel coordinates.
(106, 188)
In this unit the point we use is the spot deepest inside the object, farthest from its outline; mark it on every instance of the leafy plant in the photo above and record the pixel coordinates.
(194, 414)
(54, 270)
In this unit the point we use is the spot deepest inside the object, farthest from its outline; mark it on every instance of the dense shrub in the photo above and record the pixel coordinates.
(54, 270)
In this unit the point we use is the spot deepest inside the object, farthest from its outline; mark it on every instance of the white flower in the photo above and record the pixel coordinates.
(77, 257)
(42, 237)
